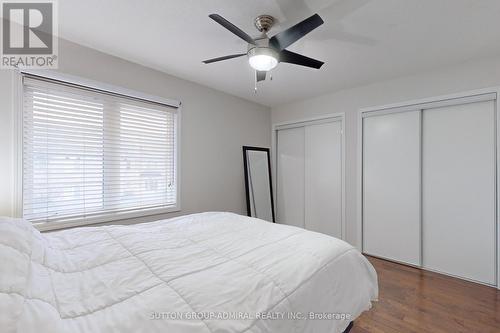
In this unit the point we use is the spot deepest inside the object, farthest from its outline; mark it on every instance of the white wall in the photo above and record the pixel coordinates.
(468, 76)
(214, 128)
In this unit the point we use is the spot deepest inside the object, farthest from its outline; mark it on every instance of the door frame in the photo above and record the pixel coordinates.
(492, 93)
(332, 117)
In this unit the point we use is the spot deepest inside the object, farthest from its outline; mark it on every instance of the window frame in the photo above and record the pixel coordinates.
(18, 109)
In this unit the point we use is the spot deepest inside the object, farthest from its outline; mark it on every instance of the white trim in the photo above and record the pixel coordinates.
(17, 110)
(332, 117)
(17, 151)
(277, 126)
(359, 178)
(178, 145)
(497, 201)
(421, 187)
(305, 123)
(418, 102)
(486, 94)
(344, 199)
(431, 105)
(106, 217)
(104, 87)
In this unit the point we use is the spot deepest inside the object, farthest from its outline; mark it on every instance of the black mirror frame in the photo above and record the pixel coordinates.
(247, 187)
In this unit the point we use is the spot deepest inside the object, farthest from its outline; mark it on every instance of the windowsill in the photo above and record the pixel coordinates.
(79, 222)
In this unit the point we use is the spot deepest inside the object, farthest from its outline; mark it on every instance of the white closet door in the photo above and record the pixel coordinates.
(391, 186)
(323, 178)
(290, 182)
(459, 190)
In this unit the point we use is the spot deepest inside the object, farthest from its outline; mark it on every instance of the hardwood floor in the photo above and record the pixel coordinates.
(413, 300)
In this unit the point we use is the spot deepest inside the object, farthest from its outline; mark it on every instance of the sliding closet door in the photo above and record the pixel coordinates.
(323, 178)
(290, 176)
(459, 190)
(391, 186)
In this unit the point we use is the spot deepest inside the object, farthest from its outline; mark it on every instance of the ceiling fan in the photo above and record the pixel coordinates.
(265, 53)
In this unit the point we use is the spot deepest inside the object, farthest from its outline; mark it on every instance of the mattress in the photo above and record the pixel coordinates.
(209, 272)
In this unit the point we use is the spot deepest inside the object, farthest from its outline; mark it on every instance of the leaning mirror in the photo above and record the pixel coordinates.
(258, 183)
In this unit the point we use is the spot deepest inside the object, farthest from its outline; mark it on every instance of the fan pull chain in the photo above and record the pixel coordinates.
(255, 86)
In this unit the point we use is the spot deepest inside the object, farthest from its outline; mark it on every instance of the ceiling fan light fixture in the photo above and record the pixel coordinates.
(266, 53)
(262, 58)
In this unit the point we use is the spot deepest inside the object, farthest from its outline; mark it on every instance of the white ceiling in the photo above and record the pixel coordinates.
(362, 41)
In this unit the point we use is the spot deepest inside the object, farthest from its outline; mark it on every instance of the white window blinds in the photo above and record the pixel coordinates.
(88, 153)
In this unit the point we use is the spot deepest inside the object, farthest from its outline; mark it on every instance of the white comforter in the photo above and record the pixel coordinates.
(210, 272)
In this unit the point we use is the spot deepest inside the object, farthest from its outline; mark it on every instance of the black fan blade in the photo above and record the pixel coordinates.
(261, 75)
(299, 59)
(231, 27)
(209, 61)
(293, 34)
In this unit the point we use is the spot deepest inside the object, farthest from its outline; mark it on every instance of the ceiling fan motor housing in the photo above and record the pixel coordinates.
(264, 23)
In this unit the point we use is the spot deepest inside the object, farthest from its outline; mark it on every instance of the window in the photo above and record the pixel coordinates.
(90, 155)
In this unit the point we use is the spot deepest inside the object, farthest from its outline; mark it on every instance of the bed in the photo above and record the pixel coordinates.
(208, 272)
